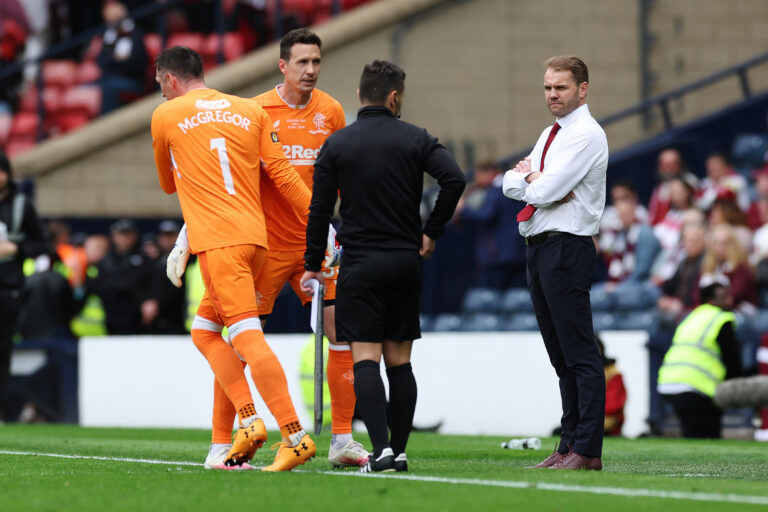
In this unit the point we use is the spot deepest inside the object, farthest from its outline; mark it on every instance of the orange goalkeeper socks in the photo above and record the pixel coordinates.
(267, 374)
(341, 384)
(226, 366)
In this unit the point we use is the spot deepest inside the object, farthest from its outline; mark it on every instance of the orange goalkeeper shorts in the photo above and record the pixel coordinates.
(229, 275)
(282, 267)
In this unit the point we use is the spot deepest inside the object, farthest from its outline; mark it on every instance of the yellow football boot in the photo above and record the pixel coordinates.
(288, 457)
(245, 443)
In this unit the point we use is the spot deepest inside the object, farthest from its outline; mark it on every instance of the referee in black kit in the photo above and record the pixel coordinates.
(563, 182)
(377, 166)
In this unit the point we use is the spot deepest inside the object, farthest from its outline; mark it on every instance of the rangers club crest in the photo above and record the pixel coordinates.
(319, 121)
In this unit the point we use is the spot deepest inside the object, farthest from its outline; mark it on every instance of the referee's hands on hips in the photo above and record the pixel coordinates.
(306, 277)
(427, 247)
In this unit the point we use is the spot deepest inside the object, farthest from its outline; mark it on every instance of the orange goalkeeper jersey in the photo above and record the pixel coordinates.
(302, 131)
(208, 147)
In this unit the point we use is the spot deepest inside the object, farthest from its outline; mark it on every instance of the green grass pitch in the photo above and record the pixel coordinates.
(149, 469)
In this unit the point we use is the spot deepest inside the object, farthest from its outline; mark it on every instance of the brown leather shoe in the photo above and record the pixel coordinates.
(549, 461)
(575, 461)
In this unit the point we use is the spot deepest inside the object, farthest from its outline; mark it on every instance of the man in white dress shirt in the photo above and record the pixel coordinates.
(563, 182)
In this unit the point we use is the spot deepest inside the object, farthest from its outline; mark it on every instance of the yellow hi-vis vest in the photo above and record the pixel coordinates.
(92, 320)
(195, 291)
(307, 379)
(694, 357)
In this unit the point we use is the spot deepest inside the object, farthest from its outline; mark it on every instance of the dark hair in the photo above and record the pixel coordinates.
(571, 63)
(297, 36)
(721, 155)
(5, 164)
(181, 61)
(625, 183)
(708, 293)
(380, 78)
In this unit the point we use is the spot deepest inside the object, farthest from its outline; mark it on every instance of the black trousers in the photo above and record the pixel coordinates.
(699, 416)
(10, 308)
(559, 279)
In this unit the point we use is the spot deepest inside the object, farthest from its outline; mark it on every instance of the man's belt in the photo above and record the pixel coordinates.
(535, 239)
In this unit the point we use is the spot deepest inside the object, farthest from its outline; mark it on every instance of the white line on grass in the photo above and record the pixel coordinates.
(541, 486)
(96, 457)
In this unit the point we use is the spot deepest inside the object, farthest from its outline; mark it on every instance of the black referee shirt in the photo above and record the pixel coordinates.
(377, 165)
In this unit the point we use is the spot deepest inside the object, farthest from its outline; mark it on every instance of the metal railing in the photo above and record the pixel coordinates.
(662, 101)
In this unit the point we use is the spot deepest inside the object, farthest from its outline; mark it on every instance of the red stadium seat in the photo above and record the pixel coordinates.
(51, 100)
(24, 124)
(191, 40)
(16, 145)
(59, 73)
(83, 100)
(92, 52)
(233, 47)
(88, 72)
(71, 121)
(154, 45)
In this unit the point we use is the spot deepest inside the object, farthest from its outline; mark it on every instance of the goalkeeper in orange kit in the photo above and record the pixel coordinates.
(303, 117)
(208, 147)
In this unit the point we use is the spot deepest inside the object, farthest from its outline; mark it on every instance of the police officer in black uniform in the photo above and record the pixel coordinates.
(377, 164)
(21, 237)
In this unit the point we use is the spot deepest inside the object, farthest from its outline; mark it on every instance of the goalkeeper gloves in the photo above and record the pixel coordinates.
(177, 259)
(333, 251)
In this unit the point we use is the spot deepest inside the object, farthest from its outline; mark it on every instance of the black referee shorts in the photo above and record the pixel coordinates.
(377, 296)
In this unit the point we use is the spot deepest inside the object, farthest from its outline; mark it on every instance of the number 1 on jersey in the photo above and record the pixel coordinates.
(220, 146)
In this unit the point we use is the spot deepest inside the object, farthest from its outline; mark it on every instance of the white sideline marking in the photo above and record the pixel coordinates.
(541, 486)
(96, 457)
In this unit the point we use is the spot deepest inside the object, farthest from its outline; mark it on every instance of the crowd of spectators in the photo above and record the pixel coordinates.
(115, 66)
(102, 284)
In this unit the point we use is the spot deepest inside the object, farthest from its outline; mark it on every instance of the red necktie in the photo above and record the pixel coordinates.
(527, 212)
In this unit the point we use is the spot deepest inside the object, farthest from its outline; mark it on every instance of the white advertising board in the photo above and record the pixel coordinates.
(472, 383)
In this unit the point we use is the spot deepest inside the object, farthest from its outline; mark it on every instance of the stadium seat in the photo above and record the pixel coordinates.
(82, 99)
(522, 322)
(638, 320)
(233, 47)
(481, 300)
(426, 322)
(70, 121)
(24, 125)
(51, 100)
(87, 72)
(748, 151)
(191, 40)
(154, 45)
(17, 145)
(447, 322)
(59, 73)
(516, 300)
(604, 321)
(633, 296)
(482, 322)
(92, 52)
(601, 299)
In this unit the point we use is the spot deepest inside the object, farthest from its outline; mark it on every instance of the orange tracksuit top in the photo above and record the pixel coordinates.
(302, 131)
(208, 147)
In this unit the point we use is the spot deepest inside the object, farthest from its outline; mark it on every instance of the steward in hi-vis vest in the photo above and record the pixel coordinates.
(704, 352)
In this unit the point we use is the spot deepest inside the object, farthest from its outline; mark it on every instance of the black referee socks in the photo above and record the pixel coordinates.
(402, 403)
(372, 402)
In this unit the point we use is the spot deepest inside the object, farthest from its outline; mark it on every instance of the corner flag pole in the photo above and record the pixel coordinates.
(316, 322)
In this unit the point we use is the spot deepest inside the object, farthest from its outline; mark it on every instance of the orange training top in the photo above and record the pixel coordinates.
(208, 146)
(302, 131)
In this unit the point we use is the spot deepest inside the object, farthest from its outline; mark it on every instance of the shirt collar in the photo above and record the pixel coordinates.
(296, 107)
(577, 114)
(374, 110)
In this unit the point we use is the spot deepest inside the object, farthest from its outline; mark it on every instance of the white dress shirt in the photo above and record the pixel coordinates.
(575, 161)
